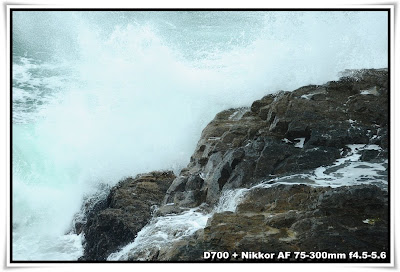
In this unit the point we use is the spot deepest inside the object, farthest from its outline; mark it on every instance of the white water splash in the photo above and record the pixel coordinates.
(98, 96)
(229, 200)
(60, 247)
(161, 232)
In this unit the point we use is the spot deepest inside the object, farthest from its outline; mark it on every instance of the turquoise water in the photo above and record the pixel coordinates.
(98, 96)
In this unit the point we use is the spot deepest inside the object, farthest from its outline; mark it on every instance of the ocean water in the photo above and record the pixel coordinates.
(99, 95)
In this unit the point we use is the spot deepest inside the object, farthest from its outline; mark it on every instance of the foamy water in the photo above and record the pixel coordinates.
(346, 171)
(98, 96)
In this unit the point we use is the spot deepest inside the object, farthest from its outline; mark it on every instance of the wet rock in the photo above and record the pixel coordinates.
(295, 218)
(265, 101)
(370, 155)
(127, 210)
(92, 204)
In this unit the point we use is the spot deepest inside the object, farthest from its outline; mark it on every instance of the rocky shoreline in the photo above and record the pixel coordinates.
(279, 141)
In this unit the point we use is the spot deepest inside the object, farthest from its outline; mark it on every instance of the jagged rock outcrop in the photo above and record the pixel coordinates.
(115, 221)
(284, 133)
(281, 134)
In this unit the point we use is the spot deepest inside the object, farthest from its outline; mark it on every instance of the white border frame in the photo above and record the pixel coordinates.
(208, 4)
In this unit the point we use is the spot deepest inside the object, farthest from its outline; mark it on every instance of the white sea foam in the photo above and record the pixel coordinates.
(300, 143)
(162, 232)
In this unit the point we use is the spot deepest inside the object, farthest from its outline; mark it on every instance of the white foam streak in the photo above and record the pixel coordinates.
(346, 171)
(229, 200)
(160, 233)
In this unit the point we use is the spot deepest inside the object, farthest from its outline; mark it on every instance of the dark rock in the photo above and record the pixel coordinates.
(308, 159)
(266, 100)
(92, 204)
(369, 155)
(127, 210)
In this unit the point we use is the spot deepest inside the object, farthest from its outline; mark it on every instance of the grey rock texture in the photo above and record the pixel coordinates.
(241, 147)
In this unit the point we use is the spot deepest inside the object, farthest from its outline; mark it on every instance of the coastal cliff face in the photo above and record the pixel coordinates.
(293, 153)
(283, 133)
